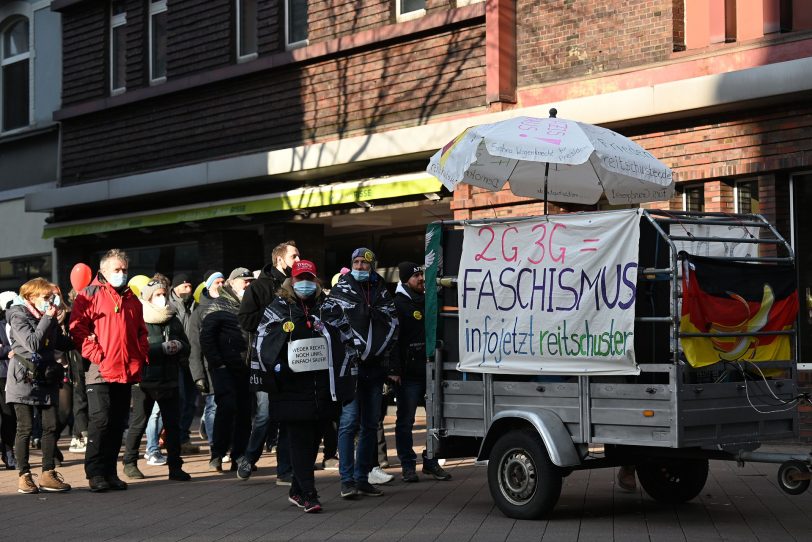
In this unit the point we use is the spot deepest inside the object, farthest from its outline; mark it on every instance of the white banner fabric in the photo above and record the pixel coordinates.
(550, 296)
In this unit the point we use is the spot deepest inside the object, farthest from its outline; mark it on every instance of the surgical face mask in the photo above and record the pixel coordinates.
(305, 288)
(240, 293)
(117, 280)
(159, 300)
(42, 307)
(360, 276)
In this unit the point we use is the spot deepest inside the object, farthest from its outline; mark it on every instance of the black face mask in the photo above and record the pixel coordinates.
(287, 271)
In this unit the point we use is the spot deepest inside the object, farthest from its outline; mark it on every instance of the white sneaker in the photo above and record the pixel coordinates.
(156, 459)
(227, 458)
(378, 476)
(78, 445)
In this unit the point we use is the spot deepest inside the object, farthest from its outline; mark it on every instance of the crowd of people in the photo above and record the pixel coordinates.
(279, 359)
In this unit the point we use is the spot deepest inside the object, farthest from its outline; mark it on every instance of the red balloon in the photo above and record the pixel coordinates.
(80, 276)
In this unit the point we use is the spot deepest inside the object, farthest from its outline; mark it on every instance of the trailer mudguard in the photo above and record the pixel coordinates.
(547, 424)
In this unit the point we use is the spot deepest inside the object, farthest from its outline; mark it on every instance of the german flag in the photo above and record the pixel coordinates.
(721, 297)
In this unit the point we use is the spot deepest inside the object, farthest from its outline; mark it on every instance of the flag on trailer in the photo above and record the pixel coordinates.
(722, 297)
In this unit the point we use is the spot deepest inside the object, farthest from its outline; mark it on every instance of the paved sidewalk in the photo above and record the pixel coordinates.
(741, 504)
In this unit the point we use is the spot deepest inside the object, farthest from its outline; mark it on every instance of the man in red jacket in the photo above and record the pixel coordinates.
(107, 325)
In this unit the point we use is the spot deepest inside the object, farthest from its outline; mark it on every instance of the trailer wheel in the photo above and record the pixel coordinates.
(523, 481)
(673, 481)
(788, 475)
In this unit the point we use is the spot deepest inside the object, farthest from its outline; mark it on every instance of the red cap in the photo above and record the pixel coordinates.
(303, 266)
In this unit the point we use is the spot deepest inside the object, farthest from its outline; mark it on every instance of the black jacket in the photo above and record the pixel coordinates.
(371, 312)
(161, 370)
(197, 357)
(259, 295)
(310, 395)
(5, 346)
(410, 306)
(222, 340)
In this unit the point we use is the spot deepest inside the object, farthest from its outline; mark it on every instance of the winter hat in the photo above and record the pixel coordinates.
(180, 278)
(303, 267)
(407, 269)
(241, 273)
(150, 288)
(364, 253)
(6, 299)
(210, 276)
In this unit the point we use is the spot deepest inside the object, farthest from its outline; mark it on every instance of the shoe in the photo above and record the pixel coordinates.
(132, 471)
(162, 438)
(156, 459)
(437, 471)
(98, 484)
(296, 500)
(187, 448)
(78, 445)
(270, 447)
(201, 432)
(215, 464)
(311, 504)
(53, 481)
(26, 484)
(227, 458)
(284, 480)
(378, 476)
(348, 490)
(11, 461)
(244, 468)
(367, 489)
(179, 475)
(384, 464)
(331, 463)
(36, 443)
(626, 478)
(116, 483)
(410, 476)
(318, 465)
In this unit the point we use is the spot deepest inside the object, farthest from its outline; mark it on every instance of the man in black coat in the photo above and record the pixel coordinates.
(410, 306)
(261, 294)
(226, 348)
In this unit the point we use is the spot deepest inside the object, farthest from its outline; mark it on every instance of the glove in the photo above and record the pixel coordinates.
(201, 385)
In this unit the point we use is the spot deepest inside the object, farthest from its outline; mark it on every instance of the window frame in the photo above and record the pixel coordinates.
(244, 57)
(155, 8)
(116, 21)
(296, 44)
(27, 56)
(689, 188)
(400, 16)
(736, 197)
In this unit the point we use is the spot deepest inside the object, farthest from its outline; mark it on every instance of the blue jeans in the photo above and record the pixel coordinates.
(362, 413)
(259, 428)
(154, 426)
(409, 393)
(209, 410)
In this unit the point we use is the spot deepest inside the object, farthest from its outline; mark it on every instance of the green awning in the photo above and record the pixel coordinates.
(301, 198)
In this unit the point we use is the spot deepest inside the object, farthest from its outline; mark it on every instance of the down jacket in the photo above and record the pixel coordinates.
(161, 373)
(222, 340)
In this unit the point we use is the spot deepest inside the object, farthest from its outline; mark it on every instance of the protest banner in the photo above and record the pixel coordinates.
(551, 295)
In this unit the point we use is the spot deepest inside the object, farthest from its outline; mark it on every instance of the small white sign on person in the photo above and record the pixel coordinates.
(308, 355)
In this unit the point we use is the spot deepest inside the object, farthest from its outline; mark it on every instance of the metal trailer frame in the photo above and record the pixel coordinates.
(666, 413)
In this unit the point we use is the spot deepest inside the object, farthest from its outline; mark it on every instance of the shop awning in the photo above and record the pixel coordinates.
(301, 198)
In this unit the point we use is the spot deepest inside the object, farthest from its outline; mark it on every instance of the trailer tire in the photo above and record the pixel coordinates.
(785, 473)
(523, 482)
(673, 481)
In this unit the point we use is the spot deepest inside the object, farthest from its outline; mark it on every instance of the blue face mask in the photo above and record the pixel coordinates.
(305, 288)
(117, 280)
(360, 276)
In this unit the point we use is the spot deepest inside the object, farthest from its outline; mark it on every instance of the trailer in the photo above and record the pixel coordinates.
(666, 412)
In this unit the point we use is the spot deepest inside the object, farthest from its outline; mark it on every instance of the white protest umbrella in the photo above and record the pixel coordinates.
(580, 162)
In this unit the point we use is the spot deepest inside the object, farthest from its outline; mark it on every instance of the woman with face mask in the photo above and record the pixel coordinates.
(168, 345)
(306, 365)
(34, 378)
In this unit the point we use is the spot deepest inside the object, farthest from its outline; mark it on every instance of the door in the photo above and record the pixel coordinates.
(802, 244)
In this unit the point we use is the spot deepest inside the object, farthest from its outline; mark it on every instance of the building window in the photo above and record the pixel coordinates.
(247, 29)
(693, 198)
(118, 46)
(157, 41)
(295, 23)
(15, 58)
(746, 197)
(409, 9)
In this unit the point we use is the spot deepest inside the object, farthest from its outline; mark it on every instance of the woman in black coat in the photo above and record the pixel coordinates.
(307, 365)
